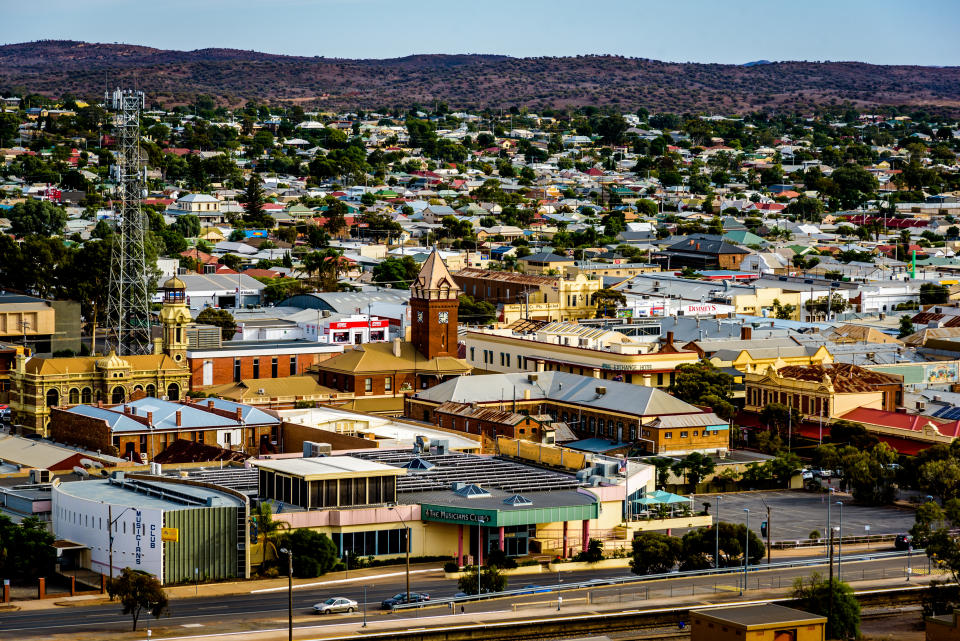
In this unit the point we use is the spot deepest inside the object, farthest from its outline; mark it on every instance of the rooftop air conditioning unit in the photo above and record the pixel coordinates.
(40, 476)
(921, 405)
(531, 378)
(601, 390)
(937, 398)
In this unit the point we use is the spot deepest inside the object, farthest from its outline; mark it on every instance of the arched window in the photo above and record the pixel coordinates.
(86, 396)
(173, 392)
(151, 391)
(99, 395)
(53, 398)
(118, 396)
(74, 396)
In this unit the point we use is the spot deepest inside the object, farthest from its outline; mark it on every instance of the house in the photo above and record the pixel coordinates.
(701, 253)
(762, 622)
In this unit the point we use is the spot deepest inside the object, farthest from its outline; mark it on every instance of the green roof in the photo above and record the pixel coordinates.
(743, 237)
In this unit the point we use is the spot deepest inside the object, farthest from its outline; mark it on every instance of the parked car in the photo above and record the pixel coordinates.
(335, 604)
(903, 541)
(5, 414)
(401, 599)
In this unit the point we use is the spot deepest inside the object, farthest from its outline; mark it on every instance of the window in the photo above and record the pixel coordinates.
(660, 379)
(236, 370)
(86, 395)
(173, 392)
(74, 396)
(118, 395)
(151, 391)
(53, 398)
(684, 434)
(274, 367)
(293, 366)
(256, 368)
(695, 432)
(668, 435)
(473, 353)
(368, 385)
(388, 383)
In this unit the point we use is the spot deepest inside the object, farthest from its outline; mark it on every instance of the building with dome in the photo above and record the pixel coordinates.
(39, 384)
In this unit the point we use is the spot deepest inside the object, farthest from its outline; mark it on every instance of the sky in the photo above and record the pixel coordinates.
(922, 32)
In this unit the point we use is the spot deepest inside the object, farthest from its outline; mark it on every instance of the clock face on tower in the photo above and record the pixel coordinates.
(444, 317)
(419, 317)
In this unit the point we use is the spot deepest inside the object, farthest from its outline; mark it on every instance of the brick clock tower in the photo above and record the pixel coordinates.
(433, 310)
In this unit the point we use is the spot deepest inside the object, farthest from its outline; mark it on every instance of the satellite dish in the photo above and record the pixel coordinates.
(81, 471)
(86, 462)
(97, 464)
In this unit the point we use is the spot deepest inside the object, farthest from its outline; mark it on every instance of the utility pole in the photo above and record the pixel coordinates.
(768, 533)
(830, 617)
(289, 554)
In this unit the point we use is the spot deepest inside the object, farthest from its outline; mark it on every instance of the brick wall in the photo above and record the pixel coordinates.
(295, 434)
(223, 367)
(83, 431)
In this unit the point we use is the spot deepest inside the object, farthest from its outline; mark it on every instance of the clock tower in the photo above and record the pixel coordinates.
(434, 297)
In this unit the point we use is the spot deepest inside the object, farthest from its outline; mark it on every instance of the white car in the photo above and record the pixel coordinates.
(335, 604)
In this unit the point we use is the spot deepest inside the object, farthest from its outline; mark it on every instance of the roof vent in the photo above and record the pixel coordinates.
(601, 390)
(516, 499)
(472, 491)
(417, 465)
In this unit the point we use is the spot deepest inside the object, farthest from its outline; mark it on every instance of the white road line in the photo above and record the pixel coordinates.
(335, 582)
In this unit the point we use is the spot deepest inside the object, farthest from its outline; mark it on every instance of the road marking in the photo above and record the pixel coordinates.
(359, 578)
(192, 625)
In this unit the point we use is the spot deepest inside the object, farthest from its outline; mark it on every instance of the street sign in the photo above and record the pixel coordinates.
(170, 534)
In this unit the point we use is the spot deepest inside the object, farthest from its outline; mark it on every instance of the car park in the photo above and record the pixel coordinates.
(335, 604)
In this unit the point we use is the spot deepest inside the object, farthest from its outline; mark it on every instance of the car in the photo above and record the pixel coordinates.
(401, 599)
(533, 589)
(335, 604)
(5, 414)
(903, 541)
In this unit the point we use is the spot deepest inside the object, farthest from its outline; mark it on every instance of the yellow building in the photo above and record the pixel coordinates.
(577, 349)
(545, 263)
(823, 391)
(759, 359)
(623, 270)
(39, 384)
(765, 622)
(533, 296)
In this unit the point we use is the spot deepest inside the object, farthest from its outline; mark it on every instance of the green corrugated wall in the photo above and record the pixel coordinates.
(208, 541)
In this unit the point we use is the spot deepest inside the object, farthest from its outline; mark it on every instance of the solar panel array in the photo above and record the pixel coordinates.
(949, 413)
(488, 473)
(239, 479)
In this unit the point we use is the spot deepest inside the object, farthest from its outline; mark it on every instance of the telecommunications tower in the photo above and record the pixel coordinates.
(128, 304)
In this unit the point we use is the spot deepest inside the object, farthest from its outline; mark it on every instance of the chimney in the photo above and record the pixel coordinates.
(698, 246)
(149, 418)
(210, 405)
(179, 418)
(396, 347)
(669, 341)
(239, 414)
(746, 333)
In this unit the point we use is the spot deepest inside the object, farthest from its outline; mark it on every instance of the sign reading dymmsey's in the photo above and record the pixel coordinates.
(454, 515)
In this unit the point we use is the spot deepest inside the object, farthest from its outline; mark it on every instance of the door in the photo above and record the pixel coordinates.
(207, 373)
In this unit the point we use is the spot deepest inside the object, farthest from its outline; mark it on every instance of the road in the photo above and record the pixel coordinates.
(267, 611)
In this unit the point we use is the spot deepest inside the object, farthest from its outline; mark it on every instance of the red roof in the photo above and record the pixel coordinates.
(262, 273)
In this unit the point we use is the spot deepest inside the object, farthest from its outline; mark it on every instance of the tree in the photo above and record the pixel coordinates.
(607, 301)
(475, 312)
(906, 326)
(694, 467)
(832, 599)
(491, 580)
(779, 417)
(252, 200)
(662, 466)
(934, 294)
(138, 592)
(396, 272)
(188, 225)
(781, 311)
(702, 383)
(26, 550)
(314, 553)
(336, 216)
(698, 546)
(36, 217)
(593, 553)
(327, 264)
(268, 529)
(220, 318)
(783, 466)
(654, 553)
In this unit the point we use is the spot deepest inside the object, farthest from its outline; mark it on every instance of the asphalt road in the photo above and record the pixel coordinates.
(264, 611)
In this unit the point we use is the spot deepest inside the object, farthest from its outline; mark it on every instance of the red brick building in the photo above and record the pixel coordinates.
(490, 422)
(233, 363)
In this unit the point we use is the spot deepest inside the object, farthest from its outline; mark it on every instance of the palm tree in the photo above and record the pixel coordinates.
(268, 530)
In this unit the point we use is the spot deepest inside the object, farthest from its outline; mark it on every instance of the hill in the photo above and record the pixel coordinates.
(469, 81)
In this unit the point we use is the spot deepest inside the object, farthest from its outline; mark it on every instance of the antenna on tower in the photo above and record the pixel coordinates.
(128, 303)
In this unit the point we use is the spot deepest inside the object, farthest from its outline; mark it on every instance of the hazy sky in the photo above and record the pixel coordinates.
(728, 31)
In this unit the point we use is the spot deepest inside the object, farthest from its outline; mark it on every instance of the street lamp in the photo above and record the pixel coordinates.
(827, 531)
(406, 547)
(289, 554)
(746, 553)
(840, 540)
(716, 533)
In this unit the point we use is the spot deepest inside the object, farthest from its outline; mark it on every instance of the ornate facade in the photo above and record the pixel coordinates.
(39, 384)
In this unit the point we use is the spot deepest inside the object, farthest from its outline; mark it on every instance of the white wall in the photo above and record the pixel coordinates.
(136, 539)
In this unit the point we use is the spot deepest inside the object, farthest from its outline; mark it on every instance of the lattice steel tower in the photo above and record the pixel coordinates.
(128, 305)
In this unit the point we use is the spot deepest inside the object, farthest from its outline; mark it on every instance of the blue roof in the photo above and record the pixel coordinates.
(249, 413)
(165, 415)
(116, 421)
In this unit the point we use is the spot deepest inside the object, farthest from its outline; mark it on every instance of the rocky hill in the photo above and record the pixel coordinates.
(469, 81)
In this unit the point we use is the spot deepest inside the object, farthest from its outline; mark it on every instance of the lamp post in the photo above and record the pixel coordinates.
(406, 548)
(289, 554)
(827, 531)
(840, 541)
(480, 522)
(746, 549)
(716, 535)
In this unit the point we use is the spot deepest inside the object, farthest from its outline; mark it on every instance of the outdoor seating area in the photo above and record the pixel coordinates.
(659, 505)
